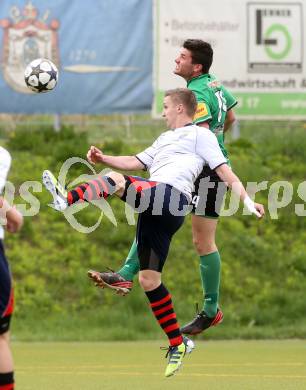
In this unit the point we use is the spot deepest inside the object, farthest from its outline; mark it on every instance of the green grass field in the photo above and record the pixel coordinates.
(213, 365)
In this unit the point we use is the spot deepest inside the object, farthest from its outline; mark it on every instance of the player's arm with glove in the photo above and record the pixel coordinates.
(232, 181)
(209, 149)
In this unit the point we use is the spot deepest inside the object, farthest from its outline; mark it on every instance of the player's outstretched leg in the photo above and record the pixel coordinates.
(204, 231)
(101, 187)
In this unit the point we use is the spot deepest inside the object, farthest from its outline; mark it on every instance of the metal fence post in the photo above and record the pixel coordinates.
(57, 123)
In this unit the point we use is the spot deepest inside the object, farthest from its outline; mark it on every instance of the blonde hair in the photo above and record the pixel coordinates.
(185, 97)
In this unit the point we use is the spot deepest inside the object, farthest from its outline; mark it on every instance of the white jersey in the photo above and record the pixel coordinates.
(5, 163)
(177, 156)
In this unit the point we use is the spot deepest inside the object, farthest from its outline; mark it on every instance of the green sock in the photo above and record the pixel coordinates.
(210, 267)
(131, 265)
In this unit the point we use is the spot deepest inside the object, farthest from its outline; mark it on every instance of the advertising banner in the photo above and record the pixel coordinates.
(103, 50)
(259, 51)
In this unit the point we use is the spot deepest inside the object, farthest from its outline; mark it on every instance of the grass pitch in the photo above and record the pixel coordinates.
(213, 365)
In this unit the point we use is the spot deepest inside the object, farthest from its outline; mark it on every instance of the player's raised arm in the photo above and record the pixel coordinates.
(209, 149)
(232, 180)
(128, 163)
(229, 120)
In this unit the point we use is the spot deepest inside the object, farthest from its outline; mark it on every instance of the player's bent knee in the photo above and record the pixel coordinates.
(203, 247)
(4, 338)
(147, 283)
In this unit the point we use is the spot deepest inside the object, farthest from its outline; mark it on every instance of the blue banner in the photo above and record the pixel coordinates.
(102, 48)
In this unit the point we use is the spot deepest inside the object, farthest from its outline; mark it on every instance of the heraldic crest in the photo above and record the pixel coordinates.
(27, 36)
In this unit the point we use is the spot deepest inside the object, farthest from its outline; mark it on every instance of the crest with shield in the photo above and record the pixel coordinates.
(25, 38)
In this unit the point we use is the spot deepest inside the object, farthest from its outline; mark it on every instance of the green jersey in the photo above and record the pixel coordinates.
(214, 101)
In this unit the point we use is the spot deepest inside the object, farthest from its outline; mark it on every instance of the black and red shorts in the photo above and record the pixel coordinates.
(6, 292)
(161, 209)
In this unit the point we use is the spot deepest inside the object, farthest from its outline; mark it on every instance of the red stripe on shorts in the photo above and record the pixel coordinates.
(10, 306)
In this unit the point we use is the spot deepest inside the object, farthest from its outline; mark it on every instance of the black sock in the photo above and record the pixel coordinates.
(7, 381)
(162, 307)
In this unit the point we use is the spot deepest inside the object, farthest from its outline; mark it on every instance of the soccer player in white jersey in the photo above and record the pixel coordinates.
(174, 161)
(13, 223)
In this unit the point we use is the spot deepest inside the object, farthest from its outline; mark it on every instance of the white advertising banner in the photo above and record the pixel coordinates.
(259, 51)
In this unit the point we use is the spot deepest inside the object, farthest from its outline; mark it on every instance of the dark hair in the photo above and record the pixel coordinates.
(201, 53)
(185, 97)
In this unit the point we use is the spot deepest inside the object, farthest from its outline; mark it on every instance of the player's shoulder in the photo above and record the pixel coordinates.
(205, 134)
(214, 83)
(204, 86)
(163, 136)
(199, 84)
(203, 131)
(166, 134)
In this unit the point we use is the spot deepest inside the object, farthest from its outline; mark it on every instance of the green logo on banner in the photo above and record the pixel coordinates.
(270, 50)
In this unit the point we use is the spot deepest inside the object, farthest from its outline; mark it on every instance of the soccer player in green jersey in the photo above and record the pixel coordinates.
(214, 111)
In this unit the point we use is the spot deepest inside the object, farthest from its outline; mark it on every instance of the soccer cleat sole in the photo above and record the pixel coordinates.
(47, 178)
(48, 181)
(94, 276)
(174, 371)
